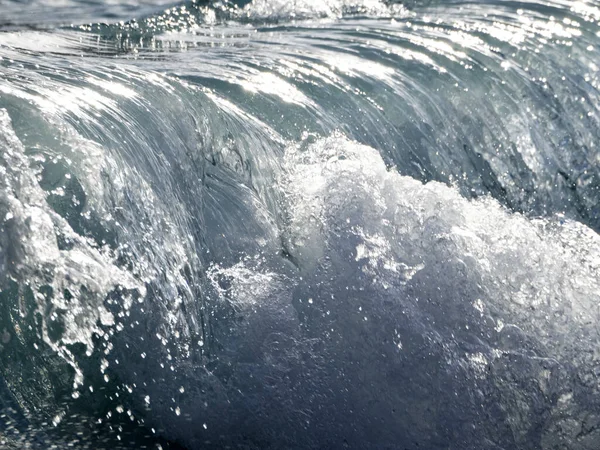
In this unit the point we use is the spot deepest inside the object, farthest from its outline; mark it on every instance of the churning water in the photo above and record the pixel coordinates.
(300, 224)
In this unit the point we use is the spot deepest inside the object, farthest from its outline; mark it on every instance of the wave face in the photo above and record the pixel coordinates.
(312, 224)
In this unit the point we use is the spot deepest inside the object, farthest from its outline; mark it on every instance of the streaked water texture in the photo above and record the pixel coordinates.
(312, 224)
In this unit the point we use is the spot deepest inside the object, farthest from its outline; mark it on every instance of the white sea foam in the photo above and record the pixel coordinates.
(503, 295)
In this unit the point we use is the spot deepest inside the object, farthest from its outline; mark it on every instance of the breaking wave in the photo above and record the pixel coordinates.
(269, 224)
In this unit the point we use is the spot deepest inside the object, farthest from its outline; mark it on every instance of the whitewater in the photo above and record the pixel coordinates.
(268, 224)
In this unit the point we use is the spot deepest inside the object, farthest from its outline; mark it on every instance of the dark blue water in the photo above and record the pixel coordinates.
(309, 224)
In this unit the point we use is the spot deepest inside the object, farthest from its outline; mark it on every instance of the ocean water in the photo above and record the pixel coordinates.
(308, 224)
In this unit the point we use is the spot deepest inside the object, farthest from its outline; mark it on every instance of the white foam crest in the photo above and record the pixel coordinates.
(391, 268)
(542, 275)
(468, 271)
